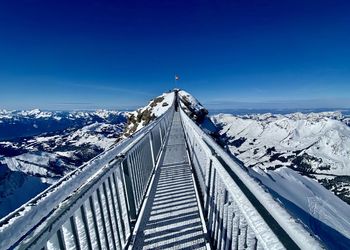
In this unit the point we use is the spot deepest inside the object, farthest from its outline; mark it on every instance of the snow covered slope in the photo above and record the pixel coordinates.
(16, 188)
(196, 111)
(143, 116)
(315, 144)
(320, 210)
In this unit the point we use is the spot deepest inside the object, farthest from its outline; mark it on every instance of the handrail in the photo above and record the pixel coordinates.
(230, 194)
(45, 216)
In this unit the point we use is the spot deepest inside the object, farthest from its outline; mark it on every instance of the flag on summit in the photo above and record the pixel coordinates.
(177, 77)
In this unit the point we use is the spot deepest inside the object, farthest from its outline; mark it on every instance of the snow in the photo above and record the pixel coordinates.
(41, 139)
(195, 104)
(37, 113)
(57, 118)
(18, 188)
(196, 111)
(82, 236)
(53, 243)
(319, 203)
(67, 154)
(155, 108)
(90, 220)
(7, 143)
(106, 113)
(21, 163)
(57, 115)
(84, 136)
(316, 134)
(159, 109)
(68, 235)
(35, 164)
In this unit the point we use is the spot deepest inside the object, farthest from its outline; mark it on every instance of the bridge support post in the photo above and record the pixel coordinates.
(129, 190)
(207, 188)
(160, 132)
(152, 150)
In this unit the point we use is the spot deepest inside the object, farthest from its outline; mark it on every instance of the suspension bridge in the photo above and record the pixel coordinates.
(169, 186)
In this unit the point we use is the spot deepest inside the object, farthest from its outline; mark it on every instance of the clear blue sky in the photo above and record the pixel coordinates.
(228, 53)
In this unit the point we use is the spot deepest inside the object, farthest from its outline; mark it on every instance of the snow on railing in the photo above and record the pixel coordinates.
(93, 206)
(240, 214)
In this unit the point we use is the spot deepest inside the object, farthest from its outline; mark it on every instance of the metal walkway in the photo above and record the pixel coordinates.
(171, 219)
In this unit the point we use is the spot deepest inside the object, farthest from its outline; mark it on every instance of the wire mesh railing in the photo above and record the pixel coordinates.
(239, 213)
(94, 206)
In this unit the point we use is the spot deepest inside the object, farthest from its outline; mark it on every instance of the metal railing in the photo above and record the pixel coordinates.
(92, 207)
(239, 213)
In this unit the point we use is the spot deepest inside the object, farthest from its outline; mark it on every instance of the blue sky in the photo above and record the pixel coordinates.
(229, 54)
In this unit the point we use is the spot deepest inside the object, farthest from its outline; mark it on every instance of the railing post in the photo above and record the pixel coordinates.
(160, 133)
(207, 187)
(152, 150)
(129, 190)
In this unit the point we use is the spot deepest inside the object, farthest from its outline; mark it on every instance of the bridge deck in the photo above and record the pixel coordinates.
(171, 218)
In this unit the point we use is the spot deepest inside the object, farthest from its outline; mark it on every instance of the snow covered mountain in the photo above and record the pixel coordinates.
(316, 145)
(29, 164)
(15, 124)
(143, 116)
(196, 111)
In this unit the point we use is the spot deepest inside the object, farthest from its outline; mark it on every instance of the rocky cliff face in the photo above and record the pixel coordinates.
(196, 111)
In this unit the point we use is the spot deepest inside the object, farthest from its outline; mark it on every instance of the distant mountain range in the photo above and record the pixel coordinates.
(17, 124)
(37, 148)
(283, 111)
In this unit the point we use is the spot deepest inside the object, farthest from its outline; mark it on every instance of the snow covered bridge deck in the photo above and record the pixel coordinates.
(171, 217)
(169, 186)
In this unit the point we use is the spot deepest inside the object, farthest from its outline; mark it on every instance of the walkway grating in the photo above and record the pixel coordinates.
(171, 218)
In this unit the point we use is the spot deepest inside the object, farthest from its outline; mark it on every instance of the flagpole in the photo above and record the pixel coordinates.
(176, 78)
